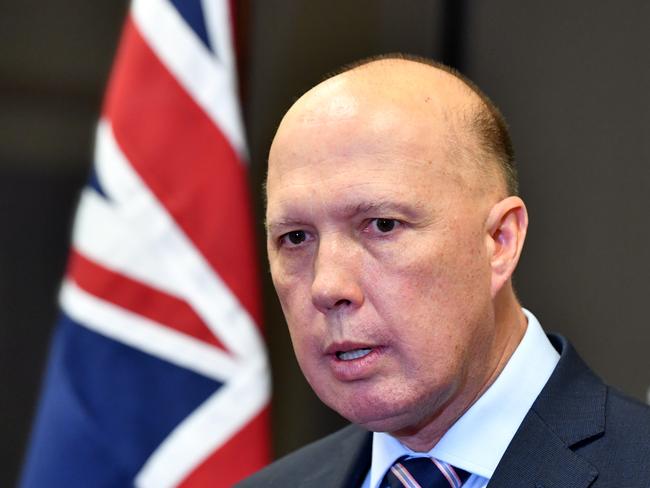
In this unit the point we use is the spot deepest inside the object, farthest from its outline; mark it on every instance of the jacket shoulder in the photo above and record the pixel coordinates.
(335, 458)
(622, 454)
(606, 428)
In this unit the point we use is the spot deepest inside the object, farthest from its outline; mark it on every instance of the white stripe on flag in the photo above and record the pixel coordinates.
(133, 234)
(146, 335)
(210, 426)
(207, 80)
(217, 23)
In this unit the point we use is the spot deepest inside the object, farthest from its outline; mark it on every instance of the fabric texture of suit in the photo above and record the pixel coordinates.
(579, 433)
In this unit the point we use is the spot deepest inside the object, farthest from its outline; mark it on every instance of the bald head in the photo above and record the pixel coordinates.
(448, 107)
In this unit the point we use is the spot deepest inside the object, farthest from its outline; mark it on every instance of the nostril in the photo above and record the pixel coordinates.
(342, 302)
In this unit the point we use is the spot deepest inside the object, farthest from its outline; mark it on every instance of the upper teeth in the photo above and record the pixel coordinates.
(354, 354)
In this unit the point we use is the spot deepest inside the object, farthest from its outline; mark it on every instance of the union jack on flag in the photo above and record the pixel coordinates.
(157, 375)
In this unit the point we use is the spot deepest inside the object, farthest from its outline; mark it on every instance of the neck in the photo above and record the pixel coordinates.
(510, 326)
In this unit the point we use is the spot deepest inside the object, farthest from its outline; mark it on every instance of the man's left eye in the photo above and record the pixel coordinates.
(384, 225)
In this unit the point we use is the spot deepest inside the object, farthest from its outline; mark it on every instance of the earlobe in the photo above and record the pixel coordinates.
(506, 228)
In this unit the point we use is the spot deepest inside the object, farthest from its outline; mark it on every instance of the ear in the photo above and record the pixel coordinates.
(505, 233)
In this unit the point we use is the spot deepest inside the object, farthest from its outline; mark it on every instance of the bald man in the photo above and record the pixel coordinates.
(394, 228)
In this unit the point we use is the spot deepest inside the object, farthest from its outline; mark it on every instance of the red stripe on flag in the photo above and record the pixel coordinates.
(138, 298)
(240, 457)
(186, 161)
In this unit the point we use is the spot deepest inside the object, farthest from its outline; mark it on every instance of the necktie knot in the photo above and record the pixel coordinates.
(423, 472)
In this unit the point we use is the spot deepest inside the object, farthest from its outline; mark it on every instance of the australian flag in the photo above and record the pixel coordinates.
(157, 375)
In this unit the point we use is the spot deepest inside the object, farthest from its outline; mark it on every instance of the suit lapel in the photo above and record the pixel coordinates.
(359, 465)
(570, 411)
(537, 458)
(351, 458)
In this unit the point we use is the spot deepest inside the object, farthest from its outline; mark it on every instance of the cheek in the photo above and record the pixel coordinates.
(406, 278)
(301, 325)
(296, 305)
(290, 285)
(432, 294)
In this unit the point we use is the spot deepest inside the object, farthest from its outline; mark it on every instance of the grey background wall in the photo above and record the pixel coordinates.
(571, 77)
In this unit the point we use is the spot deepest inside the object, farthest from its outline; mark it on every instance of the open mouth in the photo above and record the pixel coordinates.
(353, 354)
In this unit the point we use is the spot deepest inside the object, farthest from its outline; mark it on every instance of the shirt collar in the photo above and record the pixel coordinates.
(479, 438)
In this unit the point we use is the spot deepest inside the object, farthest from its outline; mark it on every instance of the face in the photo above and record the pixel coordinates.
(378, 252)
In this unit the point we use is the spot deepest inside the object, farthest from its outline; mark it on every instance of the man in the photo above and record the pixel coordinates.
(394, 227)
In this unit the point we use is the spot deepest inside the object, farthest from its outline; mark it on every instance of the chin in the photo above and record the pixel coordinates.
(387, 424)
(405, 410)
(375, 414)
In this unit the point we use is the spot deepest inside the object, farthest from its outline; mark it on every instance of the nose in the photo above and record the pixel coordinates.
(336, 284)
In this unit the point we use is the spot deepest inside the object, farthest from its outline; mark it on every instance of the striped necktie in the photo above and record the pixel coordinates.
(423, 472)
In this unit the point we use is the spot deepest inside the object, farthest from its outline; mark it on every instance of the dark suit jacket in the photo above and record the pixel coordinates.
(579, 433)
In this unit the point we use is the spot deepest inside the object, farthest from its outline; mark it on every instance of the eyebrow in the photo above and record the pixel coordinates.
(282, 224)
(376, 208)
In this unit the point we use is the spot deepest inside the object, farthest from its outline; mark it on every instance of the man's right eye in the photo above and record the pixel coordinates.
(294, 238)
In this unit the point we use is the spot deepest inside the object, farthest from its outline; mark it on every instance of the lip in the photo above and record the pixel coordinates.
(353, 369)
(345, 346)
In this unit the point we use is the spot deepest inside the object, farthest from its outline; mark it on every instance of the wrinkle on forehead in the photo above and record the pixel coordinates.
(304, 194)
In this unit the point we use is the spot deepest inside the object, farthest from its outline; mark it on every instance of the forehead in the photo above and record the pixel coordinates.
(357, 138)
(378, 160)
(379, 140)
